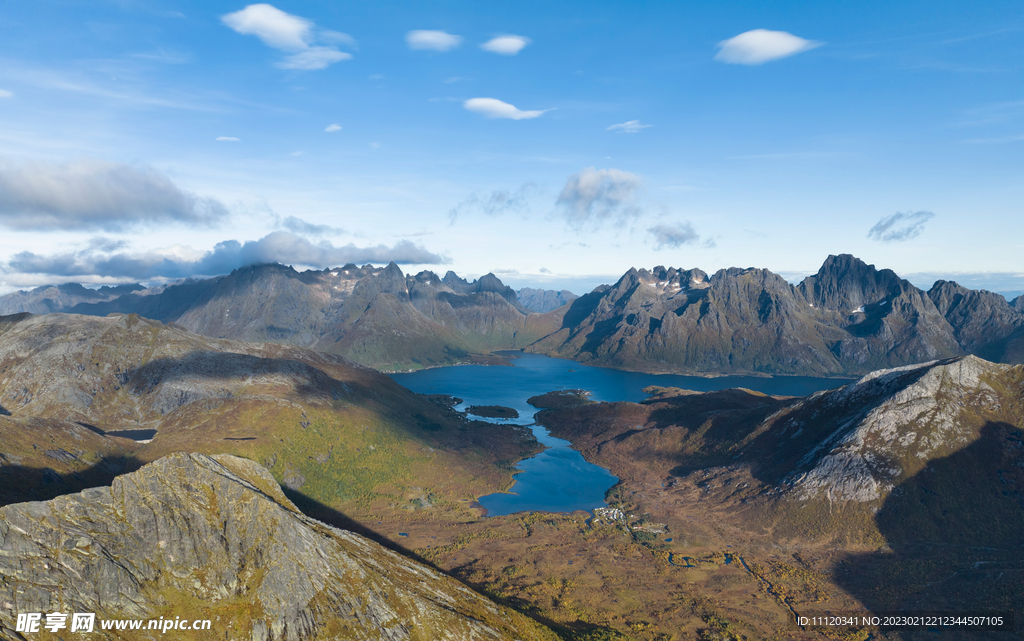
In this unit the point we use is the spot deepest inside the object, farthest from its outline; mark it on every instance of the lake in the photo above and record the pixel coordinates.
(559, 479)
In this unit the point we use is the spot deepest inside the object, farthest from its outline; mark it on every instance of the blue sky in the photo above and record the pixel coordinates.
(556, 144)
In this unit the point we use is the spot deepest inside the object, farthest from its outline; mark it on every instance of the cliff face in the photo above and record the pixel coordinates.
(214, 538)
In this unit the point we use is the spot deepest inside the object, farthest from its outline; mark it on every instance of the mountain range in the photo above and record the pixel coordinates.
(847, 319)
(901, 489)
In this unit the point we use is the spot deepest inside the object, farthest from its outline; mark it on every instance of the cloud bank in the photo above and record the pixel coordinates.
(426, 40)
(94, 195)
(597, 195)
(506, 45)
(760, 46)
(291, 34)
(494, 108)
(900, 226)
(276, 247)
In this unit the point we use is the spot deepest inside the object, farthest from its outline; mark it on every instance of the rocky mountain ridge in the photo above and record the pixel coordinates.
(849, 318)
(374, 316)
(202, 537)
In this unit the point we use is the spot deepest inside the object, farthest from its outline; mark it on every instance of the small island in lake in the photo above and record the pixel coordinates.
(492, 411)
(560, 398)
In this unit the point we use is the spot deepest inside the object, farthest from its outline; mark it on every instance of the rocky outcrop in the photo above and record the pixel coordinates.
(858, 442)
(205, 537)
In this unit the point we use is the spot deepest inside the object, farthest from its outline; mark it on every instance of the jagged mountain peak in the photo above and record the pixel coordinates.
(453, 280)
(847, 284)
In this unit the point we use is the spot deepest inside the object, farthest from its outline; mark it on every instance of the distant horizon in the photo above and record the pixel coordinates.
(579, 285)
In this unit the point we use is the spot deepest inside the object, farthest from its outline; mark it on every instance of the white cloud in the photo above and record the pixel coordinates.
(494, 108)
(334, 127)
(313, 58)
(595, 195)
(506, 45)
(227, 139)
(5, 94)
(628, 127)
(292, 34)
(761, 45)
(271, 25)
(96, 195)
(432, 40)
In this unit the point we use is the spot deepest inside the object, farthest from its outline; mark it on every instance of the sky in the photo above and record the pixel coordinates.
(555, 144)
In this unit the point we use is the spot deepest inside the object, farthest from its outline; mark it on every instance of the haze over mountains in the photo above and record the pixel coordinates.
(847, 319)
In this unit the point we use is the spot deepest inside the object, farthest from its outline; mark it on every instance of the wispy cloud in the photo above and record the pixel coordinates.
(332, 128)
(496, 203)
(508, 45)
(494, 108)
(5, 94)
(276, 247)
(596, 195)
(628, 127)
(674, 235)
(760, 46)
(163, 56)
(97, 195)
(292, 34)
(426, 40)
(227, 139)
(998, 140)
(900, 226)
(299, 226)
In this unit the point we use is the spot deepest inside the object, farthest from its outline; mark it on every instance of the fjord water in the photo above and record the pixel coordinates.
(559, 479)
